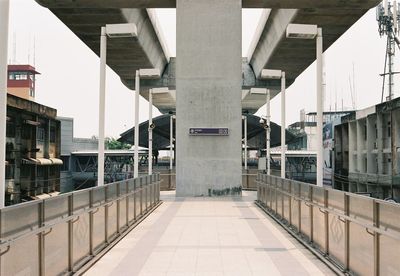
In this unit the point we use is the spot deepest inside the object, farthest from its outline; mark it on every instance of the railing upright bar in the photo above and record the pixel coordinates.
(70, 234)
(290, 202)
(91, 220)
(41, 253)
(118, 208)
(127, 203)
(106, 214)
(311, 213)
(347, 233)
(141, 195)
(299, 209)
(376, 218)
(326, 221)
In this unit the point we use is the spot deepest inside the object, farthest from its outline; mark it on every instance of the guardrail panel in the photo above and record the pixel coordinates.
(57, 235)
(389, 247)
(22, 258)
(361, 250)
(55, 208)
(319, 227)
(112, 220)
(81, 242)
(56, 249)
(99, 229)
(336, 239)
(19, 219)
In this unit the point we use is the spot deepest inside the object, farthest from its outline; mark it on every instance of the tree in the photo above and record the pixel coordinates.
(111, 143)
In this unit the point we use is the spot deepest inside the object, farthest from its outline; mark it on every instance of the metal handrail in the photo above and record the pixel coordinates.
(270, 187)
(148, 187)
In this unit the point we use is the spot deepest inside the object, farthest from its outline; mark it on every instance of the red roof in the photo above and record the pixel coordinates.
(23, 68)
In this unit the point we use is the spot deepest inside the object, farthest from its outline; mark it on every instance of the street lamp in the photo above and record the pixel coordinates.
(153, 91)
(4, 16)
(305, 31)
(111, 31)
(266, 123)
(140, 74)
(276, 75)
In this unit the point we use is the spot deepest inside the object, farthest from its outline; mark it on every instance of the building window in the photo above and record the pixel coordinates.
(389, 129)
(10, 130)
(40, 134)
(52, 135)
(26, 132)
(40, 171)
(10, 171)
(365, 132)
(25, 171)
(65, 165)
(11, 77)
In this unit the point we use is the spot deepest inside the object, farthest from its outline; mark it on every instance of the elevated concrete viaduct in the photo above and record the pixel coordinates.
(210, 78)
(269, 49)
(271, 4)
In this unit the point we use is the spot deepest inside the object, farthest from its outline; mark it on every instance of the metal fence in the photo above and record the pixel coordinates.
(60, 235)
(359, 234)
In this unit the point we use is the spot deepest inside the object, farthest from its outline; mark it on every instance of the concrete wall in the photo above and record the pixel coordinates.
(208, 95)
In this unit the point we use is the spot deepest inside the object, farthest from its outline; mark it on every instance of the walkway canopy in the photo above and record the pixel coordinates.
(161, 133)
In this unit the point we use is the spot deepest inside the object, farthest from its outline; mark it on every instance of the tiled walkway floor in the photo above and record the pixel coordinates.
(208, 236)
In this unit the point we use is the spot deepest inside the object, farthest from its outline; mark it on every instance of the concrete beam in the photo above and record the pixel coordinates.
(275, 4)
(271, 49)
(125, 55)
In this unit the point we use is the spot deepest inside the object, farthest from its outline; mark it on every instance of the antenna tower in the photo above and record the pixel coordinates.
(388, 22)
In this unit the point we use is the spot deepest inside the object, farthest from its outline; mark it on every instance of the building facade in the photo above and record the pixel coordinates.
(32, 151)
(366, 151)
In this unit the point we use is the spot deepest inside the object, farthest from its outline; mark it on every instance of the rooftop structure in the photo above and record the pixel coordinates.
(22, 81)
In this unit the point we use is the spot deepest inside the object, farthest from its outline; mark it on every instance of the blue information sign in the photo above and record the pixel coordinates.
(209, 131)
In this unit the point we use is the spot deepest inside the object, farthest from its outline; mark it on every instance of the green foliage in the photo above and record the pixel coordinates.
(113, 144)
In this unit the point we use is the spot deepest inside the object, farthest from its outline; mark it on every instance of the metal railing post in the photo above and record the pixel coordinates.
(118, 207)
(283, 198)
(70, 234)
(41, 253)
(127, 198)
(311, 213)
(376, 217)
(299, 209)
(91, 221)
(290, 203)
(347, 233)
(326, 221)
(135, 195)
(106, 214)
(141, 195)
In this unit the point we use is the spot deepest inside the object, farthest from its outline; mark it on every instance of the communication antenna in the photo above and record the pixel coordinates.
(388, 22)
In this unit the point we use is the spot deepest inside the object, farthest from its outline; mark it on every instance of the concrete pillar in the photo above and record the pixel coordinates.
(4, 14)
(208, 83)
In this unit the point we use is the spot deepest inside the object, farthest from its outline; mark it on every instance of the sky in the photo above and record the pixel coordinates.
(69, 79)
